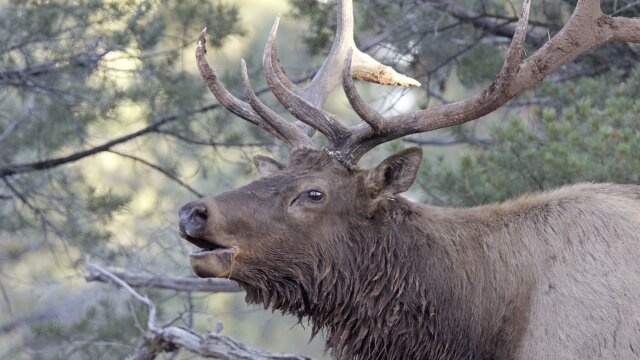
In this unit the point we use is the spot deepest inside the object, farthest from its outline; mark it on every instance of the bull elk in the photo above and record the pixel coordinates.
(553, 275)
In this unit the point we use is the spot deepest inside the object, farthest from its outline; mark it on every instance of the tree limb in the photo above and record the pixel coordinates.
(166, 282)
(170, 338)
(154, 126)
(454, 139)
(143, 299)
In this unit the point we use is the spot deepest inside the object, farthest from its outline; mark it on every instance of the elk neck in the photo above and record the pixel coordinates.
(415, 267)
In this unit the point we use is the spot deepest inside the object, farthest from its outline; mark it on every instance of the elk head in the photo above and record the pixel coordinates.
(303, 213)
(294, 214)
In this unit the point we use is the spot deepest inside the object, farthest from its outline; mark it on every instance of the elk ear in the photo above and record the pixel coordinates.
(266, 166)
(395, 174)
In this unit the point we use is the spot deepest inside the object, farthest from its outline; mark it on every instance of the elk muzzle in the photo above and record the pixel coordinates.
(193, 222)
(196, 225)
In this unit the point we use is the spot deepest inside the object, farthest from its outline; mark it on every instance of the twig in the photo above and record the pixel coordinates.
(625, 8)
(211, 142)
(36, 210)
(159, 169)
(449, 140)
(171, 338)
(218, 346)
(168, 282)
(154, 126)
(150, 305)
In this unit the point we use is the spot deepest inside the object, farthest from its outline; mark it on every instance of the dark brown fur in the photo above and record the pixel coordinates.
(387, 278)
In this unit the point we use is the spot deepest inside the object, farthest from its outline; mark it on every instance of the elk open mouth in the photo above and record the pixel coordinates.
(205, 246)
(211, 259)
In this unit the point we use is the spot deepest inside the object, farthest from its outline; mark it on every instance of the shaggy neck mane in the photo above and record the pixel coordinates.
(390, 293)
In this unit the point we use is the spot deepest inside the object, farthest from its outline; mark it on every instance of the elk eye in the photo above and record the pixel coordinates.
(315, 195)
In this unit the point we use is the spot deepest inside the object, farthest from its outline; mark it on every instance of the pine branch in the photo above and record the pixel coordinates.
(153, 127)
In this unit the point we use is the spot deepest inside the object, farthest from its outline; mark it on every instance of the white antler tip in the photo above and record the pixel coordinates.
(276, 23)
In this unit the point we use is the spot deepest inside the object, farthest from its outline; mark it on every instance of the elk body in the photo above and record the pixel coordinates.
(554, 275)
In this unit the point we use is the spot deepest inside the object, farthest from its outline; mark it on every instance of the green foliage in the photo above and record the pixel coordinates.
(74, 75)
(70, 69)
(482, 62)
(322, 22)
(77, 73)
(76, 336)
(592, 136)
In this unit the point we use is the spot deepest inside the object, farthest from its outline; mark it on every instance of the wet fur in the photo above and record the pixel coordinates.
(549, 275)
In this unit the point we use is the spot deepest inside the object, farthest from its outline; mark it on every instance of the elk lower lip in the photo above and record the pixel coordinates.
(213, 263)
(202, 244)
(212, 249)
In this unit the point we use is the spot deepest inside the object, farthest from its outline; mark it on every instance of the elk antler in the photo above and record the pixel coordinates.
(587, 27)
(303, 103)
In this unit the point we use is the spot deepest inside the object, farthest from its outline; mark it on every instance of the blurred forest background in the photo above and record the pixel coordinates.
(106, 129)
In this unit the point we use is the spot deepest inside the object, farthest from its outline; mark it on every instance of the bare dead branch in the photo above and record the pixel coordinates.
(169, 338)
(155, 125)
(449, 140)
(167, 282)
(499, 26)
(143, 299)
(81, 60)
(218, 346)
(625, 8)
(55, 162)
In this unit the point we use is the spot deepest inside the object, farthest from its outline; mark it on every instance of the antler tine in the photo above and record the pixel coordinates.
(494, 96)
(224, 97)
(587, 28)
(298, 106)
(328, 76)
(277, 67)
(295, 137)
(282, 76)
(491, 98)
(364, 67)
(366, 113)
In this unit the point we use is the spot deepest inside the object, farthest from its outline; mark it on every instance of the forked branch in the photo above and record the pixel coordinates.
(169, 338)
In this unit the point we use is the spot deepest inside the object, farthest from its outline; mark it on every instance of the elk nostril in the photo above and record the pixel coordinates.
(198, 213)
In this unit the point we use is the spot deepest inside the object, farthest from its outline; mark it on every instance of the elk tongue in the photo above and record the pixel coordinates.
(208, 248)
(212, 263)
